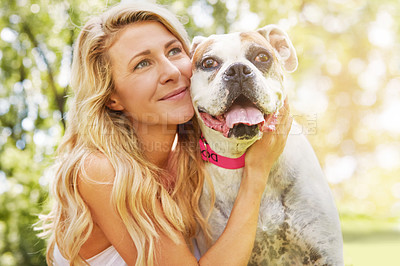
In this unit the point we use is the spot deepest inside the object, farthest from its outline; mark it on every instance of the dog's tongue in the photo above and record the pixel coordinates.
(248, 115)
(244, 113)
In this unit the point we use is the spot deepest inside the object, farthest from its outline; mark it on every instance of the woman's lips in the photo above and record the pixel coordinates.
(177, 94)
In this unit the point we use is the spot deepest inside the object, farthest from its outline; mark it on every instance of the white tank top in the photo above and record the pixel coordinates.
(108, 257)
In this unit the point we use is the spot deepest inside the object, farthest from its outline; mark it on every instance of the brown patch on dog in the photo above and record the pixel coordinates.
(199, 51)
(254, 37)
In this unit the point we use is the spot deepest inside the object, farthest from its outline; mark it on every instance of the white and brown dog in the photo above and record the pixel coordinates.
(237, 88)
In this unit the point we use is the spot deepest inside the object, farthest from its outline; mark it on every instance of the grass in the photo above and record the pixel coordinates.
(371, 242)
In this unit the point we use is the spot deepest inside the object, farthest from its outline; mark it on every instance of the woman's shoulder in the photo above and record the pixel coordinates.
(96, 177)
(97, 168)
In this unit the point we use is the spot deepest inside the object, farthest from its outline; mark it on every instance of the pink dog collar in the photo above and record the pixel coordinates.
(209, 155)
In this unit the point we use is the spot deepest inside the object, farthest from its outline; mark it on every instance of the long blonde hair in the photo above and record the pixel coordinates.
(93, 127)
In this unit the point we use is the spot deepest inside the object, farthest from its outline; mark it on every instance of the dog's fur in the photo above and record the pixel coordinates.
(298, 222)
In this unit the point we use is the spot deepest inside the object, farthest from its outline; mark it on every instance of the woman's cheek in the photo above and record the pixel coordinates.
(186, 67)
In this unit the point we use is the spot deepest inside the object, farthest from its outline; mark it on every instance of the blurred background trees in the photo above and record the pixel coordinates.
(345, 94)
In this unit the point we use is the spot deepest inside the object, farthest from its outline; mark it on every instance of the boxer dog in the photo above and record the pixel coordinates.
(237, 89)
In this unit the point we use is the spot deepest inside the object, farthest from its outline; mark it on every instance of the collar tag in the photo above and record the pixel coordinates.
(208, 155)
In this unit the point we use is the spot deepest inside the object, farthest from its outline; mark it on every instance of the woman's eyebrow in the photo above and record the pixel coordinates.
(170, 43)
(146, 52)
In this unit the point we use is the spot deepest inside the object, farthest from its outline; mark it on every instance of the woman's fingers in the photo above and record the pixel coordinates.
(272, 144)
(285, 119)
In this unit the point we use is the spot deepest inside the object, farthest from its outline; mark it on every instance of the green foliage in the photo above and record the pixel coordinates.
(344, 93)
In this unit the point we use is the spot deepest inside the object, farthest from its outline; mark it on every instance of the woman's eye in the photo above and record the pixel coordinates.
(142, 64)
(261, 57)
(209, 63)
(174, 51)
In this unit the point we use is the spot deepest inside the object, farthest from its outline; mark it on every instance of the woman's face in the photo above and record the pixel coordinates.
(151, 73)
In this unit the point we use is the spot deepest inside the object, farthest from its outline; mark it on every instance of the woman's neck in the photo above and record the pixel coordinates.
(157, 143)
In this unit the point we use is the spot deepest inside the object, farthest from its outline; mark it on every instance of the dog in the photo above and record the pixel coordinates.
(237, 89)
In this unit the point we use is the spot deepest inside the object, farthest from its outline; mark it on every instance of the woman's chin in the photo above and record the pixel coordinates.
(180, 117)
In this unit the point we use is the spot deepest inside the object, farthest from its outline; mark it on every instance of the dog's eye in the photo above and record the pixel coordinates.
(262, 57)
(209, 63)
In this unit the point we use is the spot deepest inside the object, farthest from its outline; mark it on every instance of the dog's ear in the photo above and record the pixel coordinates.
(196, 41)
(280, 41)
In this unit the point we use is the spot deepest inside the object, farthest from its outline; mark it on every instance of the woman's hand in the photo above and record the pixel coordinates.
(262, 154)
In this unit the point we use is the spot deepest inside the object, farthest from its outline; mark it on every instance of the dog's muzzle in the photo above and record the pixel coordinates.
(239, 78)
(238, 73)
(242, 118)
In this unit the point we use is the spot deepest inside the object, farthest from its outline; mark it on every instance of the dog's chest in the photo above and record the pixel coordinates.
(278, 238)
(273, 209)
(226, 184)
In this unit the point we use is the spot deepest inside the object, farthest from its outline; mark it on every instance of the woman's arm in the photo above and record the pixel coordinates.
(96, 191)
(235, 244)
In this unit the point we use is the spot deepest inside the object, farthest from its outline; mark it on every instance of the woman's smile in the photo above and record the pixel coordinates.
(176, 95)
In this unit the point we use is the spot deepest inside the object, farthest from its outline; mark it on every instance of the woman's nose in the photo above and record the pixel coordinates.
(169, 71)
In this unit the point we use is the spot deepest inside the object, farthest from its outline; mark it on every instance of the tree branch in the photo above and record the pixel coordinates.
(60, 99)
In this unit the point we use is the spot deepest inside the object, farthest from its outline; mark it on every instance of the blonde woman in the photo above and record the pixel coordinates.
(122, 194)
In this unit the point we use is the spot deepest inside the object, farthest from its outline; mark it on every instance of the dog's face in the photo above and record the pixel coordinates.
(237, 82)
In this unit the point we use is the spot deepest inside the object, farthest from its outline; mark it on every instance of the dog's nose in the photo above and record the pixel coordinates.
(238, 71)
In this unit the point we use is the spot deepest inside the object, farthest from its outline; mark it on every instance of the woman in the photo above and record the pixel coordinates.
(122, 193)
